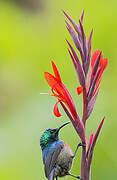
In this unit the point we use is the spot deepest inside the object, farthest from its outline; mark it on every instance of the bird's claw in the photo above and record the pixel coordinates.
(79, 177)
(81, 144)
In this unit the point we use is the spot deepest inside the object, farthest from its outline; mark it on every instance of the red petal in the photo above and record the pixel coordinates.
(57, 86)
(56, 110)
(56, 72)
(94, 57)
(90, 142)
(91, 138)
(79, 90)
(103, 62)
(51, 80)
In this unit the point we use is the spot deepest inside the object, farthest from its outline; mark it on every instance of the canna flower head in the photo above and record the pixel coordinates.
(59, 90)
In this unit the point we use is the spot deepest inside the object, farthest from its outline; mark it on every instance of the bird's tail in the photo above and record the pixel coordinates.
(51, 176)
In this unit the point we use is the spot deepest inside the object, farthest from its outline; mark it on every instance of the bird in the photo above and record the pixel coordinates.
(57, 155)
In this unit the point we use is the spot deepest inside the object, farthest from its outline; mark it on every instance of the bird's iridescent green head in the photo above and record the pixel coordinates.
(50, 135)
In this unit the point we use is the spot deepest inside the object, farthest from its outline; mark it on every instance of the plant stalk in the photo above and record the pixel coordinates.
(85, 173)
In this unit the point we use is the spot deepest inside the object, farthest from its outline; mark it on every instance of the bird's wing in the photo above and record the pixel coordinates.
(52, 157)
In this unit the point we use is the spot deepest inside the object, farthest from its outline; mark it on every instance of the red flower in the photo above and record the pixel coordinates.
(59, 90)
(103, 64)
(98, 64)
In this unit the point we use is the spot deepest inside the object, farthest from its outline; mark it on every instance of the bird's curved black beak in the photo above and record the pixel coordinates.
(58, 129)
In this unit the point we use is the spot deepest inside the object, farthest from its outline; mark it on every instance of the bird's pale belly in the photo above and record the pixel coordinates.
(64, 162)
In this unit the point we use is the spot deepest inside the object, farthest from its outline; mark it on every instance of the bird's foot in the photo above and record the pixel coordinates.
(78, 177)
(79, 144)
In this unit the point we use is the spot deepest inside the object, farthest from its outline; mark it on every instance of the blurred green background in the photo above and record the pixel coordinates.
(32, 32)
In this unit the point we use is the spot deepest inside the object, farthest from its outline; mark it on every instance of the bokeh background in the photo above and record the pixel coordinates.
(32, 33)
